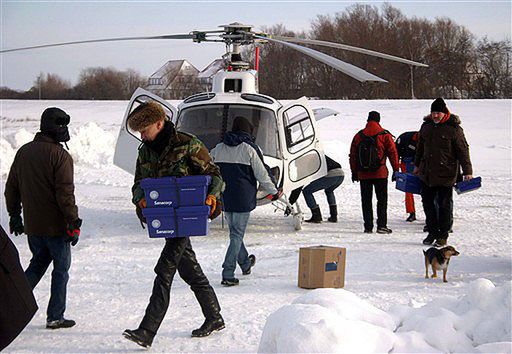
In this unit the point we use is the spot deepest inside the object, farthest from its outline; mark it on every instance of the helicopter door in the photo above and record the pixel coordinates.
(304, 159)
(128, 141)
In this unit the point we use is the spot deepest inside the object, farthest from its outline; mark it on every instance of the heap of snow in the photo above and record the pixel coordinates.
(91, 145)
(336, 320)
(9, 145)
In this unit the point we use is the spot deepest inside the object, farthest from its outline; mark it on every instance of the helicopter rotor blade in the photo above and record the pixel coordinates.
(350, 48)
(194, 35)
(349, 69)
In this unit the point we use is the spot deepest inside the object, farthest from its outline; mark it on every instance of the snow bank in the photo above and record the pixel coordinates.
(90, 145)
(336, 320)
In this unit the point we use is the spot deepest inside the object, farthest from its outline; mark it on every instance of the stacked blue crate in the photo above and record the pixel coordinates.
(407, 182)
(175, 206)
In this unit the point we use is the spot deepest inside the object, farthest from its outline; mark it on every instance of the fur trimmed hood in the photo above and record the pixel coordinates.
(145, 115)
(453, 120)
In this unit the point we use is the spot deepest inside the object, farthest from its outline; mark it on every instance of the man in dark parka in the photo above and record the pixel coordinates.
(40, 183)
(442, 150)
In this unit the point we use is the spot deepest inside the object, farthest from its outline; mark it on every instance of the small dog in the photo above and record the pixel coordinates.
(439, 259)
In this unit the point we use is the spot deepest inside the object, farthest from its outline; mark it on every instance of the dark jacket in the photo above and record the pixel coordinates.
(406, 145)
(386, 147)
(17, 303)
(41, 181)
(242, 167)
(183, 155)
(442, 149)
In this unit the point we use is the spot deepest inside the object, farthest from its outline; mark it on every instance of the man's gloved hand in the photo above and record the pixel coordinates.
(393, 176)
(141, 204)
(74, 231)
(211, 201)
(274, 197)
(217, 211)
(287, 211)
(355, 178)
(16, 225)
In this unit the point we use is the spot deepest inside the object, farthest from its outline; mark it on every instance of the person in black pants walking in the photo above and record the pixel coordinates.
(368, 152)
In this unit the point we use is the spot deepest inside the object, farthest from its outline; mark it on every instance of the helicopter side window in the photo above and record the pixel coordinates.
(299, 132)
(141, 100)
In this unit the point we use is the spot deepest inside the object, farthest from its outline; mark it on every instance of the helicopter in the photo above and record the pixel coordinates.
(287, 134)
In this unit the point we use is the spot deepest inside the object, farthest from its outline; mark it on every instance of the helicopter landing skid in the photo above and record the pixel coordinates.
(284, 205)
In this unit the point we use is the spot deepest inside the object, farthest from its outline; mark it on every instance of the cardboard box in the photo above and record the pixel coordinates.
(322, 267)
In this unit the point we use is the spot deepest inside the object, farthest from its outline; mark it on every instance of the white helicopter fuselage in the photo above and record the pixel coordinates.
(286, 134)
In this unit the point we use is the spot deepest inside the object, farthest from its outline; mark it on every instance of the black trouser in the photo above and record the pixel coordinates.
(440, 219)
(381, 191)
(178, 255)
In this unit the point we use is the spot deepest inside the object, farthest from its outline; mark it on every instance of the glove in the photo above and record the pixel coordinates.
(74, 231)
(141, 217)
(393, 176)
(287, 211)
(211, 201)
(274, 197)
(142, 203)
(355, 178)
(217, 211)
(16, 225)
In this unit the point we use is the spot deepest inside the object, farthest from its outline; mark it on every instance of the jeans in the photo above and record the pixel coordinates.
(438, 207)
(381, 190)
(328, 184)
(179, 256)
(45, 250)
(236, 253)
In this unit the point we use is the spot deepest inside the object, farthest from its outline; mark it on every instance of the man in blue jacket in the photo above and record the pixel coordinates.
(241, 165)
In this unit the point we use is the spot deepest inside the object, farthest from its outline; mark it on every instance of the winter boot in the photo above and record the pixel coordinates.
(208, 327)
(141, 336)
(384, 230)
(411, 218)
(440, 242)
(252, 258)
(429, 240)
(316, 216)
(62, 323)
(229, 282)
(334, 213)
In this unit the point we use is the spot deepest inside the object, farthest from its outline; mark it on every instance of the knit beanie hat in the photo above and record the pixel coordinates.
(242, 124)
(144, 115)
(438, 106)
(374, 115)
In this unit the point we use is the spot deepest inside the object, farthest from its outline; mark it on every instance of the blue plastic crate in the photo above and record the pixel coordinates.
(468, 186)
(407, 182)
(179, 222)
(175, 192)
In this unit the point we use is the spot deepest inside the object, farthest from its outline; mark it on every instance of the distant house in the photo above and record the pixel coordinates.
(206, 75)
(176, 79)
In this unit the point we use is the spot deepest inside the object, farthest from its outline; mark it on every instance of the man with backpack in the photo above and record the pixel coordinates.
(406, 148)
(368, 153)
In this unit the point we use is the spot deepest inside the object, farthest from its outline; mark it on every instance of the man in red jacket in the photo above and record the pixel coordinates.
(368, 153)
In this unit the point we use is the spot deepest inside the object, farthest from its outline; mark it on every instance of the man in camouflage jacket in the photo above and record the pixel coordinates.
(441, 151)
(167, 152)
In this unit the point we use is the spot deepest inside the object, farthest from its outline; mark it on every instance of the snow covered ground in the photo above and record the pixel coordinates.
(387, 304)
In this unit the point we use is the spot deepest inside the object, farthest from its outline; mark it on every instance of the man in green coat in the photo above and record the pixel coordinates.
(167, 152)
(441, 151)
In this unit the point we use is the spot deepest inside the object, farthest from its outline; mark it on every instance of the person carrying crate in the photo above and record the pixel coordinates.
(406, 148)
(441, 151)
(168, 152)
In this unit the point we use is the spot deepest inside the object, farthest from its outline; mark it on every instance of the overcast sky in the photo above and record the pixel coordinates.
(25, 23)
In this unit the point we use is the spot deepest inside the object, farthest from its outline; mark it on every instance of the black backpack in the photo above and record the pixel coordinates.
(368, 152)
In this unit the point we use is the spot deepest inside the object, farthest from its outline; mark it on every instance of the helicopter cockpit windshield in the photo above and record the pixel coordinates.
(210, 122)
